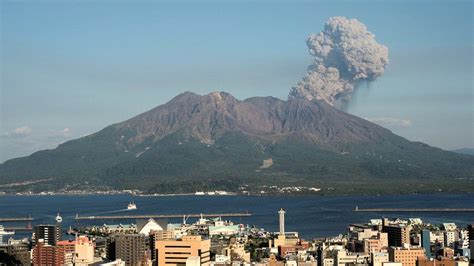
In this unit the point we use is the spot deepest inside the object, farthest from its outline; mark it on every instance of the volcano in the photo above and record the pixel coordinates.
(216, 141)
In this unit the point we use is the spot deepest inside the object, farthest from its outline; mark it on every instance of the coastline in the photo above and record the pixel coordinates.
(232, 194)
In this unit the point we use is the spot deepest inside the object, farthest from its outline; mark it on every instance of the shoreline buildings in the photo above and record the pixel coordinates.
(217, 242)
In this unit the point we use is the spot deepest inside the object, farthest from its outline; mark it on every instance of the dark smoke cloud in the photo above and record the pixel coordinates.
(345, 54)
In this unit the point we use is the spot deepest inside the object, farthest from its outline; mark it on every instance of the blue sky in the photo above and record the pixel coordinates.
(70, 68)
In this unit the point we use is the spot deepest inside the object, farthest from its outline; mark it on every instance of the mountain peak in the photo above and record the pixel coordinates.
(221, 96)
(217, 135)
(185, 96)
(207, 117)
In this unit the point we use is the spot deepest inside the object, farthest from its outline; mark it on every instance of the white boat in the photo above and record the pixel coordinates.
(131, 206)
(4, 233)
(59, 219)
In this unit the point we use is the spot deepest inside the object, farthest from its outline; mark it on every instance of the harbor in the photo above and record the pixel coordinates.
(147, 216)
(357, 209)
(19, 228)
(16, 219)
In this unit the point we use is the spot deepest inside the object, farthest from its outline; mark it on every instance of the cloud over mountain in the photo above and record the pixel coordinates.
(345, 54)
(391, 121)
(18, 132)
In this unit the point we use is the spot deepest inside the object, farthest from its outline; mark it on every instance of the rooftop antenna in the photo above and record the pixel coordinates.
(185, 219)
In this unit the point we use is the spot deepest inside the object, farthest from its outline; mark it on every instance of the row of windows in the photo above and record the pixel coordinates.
(187, 253)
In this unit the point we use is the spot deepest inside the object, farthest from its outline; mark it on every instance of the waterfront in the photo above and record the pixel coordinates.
(311, 216)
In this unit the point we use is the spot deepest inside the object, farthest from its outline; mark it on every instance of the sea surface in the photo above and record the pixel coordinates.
(311, 216)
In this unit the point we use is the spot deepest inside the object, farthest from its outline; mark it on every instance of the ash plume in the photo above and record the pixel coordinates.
(345, 55)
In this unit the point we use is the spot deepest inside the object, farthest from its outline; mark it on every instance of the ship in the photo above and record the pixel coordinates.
(4, 233)
(71, 231)
(58, 218)
(131, 206)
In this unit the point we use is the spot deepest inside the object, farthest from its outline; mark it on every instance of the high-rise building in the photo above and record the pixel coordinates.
(84, 251)
(65, 250)
(426, 242)
(470, 230)
(406, 256)
(110, 248)
(51, 234)
(450, 237)
(176, 252)
(131, 248)
(45, 254)
(155, 236)
(378, 243)
(398, 235)
(320, 255)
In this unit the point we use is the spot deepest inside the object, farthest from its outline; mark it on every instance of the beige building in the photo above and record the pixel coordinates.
(379, 258)
(193, 261)
(328, 262)
(343, 258)
(378, 243)
(176, 252)
(84, 249)
(406, 256)
(283, 240)
(78, 252)
(236, 252)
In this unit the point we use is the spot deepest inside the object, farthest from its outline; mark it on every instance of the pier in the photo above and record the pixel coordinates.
(18, 228)
(16, 219)
(147, 216)
(357, 209)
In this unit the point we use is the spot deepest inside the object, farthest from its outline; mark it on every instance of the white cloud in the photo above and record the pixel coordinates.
(66, 132)
(61, 133)
(23, 141)
(391, 121)
(23, 131)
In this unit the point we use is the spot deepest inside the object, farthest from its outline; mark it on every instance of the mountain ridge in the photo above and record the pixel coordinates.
(253, 116)
(218, 137)
(469, 151)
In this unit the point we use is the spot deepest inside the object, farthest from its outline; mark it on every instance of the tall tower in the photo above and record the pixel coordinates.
(281, 213)
(425, 242)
